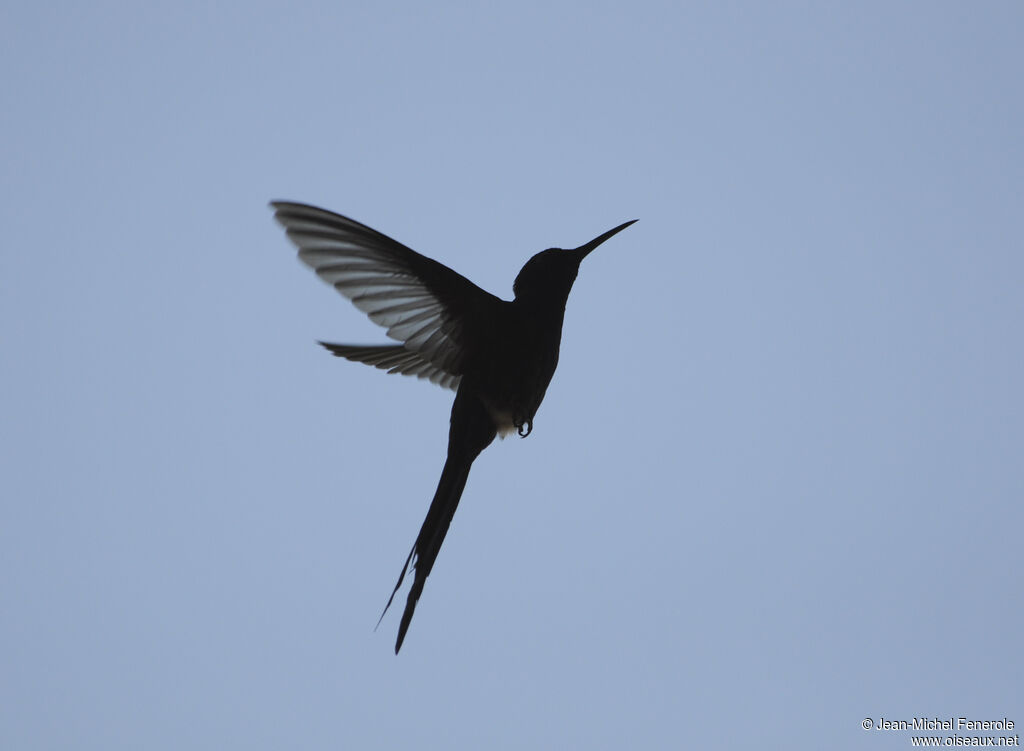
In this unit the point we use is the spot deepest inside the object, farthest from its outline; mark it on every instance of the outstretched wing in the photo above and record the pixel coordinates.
(425, 305)
(394, 358)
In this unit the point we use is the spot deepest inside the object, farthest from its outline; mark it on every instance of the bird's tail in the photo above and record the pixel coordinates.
(472, 430)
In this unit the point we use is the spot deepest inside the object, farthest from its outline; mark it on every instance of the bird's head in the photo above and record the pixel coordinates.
(548, 276)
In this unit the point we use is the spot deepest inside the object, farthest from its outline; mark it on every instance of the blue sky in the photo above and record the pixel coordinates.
(775, 487)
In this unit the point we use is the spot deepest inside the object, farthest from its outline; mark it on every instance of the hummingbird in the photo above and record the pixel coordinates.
(498, 356)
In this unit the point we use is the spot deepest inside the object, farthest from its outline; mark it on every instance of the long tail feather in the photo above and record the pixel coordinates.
(432, 534)
(472, 430)
(401, 578)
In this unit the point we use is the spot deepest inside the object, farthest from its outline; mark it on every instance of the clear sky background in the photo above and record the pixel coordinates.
(776, 484)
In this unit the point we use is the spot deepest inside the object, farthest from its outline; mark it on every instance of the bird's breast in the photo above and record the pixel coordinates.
(514, 376)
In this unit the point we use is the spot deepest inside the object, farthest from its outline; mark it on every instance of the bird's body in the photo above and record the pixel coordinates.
(514, 364)
(498, 355)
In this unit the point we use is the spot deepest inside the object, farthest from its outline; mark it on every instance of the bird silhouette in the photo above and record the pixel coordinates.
(498, 356)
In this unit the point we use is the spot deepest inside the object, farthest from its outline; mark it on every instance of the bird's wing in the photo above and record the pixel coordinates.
(394, 358)
(425, 305)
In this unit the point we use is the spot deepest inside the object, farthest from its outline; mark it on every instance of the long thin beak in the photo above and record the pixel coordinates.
(583, 250)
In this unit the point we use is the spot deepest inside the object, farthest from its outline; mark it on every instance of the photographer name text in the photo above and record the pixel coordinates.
(943, 723)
